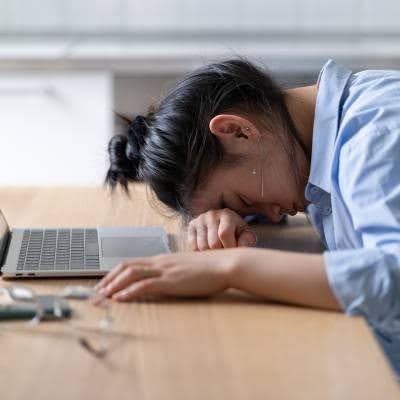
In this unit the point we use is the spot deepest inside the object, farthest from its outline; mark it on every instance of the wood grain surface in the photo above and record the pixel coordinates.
(231, 346)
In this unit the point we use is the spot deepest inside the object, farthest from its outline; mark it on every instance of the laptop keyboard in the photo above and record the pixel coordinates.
(59, 249)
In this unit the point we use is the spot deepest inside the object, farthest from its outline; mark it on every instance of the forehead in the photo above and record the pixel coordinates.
(208, 194)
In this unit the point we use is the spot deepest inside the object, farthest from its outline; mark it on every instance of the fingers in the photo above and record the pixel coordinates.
(226, 231)
(131, 272)
(150, 286)
(247, 238)
(192, 237)
(118, 269)
(111, 275)
(203, 232)
(212, 221)
(201, 237)
(215, 229)
(128, 276)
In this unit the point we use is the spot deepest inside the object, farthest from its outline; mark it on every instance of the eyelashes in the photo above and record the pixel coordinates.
(239, 206)
(244, 201)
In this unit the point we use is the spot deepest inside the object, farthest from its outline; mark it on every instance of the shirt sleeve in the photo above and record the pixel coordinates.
(366, 280)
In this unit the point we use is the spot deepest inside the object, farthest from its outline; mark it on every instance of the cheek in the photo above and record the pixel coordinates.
(278, 185)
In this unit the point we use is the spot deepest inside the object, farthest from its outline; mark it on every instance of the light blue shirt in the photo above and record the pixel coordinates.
(354, 189)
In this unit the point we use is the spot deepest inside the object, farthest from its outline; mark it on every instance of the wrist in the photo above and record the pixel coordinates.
(233, 266)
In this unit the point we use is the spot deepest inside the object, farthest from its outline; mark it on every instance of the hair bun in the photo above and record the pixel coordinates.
(125, 154)
(137, 131)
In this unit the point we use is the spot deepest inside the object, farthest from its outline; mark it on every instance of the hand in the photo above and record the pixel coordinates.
(178, 274)
(217, 229)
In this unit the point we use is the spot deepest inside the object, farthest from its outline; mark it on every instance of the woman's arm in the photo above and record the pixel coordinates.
(275, 275)
(284, 276)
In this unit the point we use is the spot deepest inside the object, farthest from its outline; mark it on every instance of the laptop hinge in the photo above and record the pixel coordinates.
(4, 249)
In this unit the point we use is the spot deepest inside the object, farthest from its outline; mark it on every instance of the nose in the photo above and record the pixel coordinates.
(272, 213)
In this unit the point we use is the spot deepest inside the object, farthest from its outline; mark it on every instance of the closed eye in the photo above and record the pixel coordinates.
(244, 201)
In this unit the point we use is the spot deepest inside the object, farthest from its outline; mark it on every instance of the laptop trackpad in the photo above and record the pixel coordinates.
(121, 247)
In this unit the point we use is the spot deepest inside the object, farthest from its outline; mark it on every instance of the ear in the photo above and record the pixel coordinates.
(232, 126)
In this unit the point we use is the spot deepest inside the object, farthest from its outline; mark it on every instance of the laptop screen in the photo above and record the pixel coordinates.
(4, 232)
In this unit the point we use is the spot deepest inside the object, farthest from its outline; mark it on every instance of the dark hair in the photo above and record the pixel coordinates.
(172, 148)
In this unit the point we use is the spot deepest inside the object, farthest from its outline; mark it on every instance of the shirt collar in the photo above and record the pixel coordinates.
(331, 83)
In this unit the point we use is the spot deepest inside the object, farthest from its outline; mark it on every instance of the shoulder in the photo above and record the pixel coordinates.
(374, 140)
(373, 83)
(371, 98)
(370, 109)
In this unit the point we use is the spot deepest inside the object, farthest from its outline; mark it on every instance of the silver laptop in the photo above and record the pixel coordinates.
(63, 252)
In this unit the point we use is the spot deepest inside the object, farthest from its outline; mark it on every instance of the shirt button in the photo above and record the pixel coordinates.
(327, 210)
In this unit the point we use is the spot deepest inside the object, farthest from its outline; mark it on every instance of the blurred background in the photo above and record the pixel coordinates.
(66, 65)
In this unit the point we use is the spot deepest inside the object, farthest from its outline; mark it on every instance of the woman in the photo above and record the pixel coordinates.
(228, 142)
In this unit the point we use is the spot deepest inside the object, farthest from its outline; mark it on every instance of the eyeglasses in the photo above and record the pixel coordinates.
(45, 306)
(55, 307)
(105, 324)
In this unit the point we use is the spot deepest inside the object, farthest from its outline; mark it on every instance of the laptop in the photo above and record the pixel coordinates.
(70, 252)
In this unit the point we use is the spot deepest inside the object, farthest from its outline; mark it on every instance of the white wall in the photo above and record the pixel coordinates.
(128, 52)
(54, 128)
(97, 16)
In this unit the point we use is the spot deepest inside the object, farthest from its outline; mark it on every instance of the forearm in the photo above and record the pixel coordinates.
(283, 276)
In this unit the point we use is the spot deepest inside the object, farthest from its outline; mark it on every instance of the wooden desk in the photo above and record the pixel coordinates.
(231, 347)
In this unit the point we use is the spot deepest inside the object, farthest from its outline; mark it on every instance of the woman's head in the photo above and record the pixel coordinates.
(199, 134)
